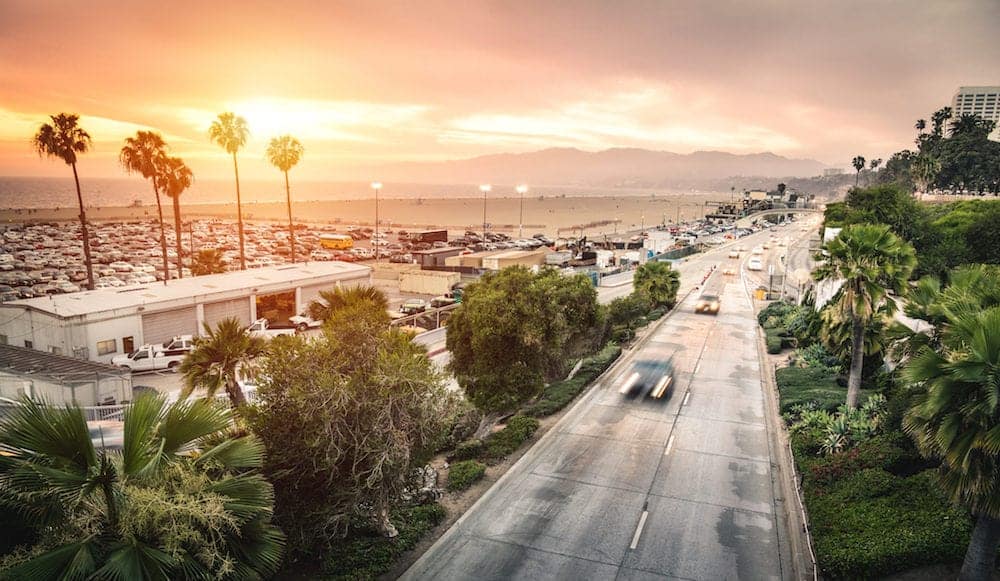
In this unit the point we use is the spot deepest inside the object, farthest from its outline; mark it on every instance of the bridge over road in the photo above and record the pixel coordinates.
(745, 221)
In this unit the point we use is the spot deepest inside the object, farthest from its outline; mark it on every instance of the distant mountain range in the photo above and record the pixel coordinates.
(637, 168)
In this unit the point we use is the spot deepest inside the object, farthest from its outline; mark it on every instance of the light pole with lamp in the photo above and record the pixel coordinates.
(376, 186)
(484, 189)
(521, 189)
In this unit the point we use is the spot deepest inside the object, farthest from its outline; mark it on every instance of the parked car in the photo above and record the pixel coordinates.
(413, 306)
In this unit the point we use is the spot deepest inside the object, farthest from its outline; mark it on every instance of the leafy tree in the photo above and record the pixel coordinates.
(230, 132)
(659, 282)
(956, 418)
(284, 153)
(870, 260)
(983, 237)
(182, 498)
(337, 298)
(64, 139)
(218, 356)
(175, 177)
(577, 312)
(859, 164)
(925, 172)
(508, 336)
(345, 418)
(208, 261)
(144, 154)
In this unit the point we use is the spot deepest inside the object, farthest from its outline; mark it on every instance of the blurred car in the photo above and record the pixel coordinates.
(757, 250)
(707, 304)
(413, 306)
(734, 253)
(647, 378)
(755, 264)
(729, 271)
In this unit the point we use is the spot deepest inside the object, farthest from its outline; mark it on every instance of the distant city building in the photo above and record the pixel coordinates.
(833, 171)
(981, 101)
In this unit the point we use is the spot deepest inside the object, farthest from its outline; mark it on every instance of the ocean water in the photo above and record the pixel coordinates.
(31, 192)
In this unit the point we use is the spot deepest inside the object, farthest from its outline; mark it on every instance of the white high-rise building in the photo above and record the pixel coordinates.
(982, 101)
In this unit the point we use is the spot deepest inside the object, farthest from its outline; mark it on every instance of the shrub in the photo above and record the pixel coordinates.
(558, 394)
(464, 474)
(773, 315)
(468, 450)
(871, 523)
(365, 554)
(773, 344)
(799, 386)
(505, 442)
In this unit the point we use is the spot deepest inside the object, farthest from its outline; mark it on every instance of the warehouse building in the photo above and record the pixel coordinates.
(60, 380)
(99, 324)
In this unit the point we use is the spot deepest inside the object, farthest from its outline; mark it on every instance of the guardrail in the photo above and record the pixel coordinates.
(101, 413)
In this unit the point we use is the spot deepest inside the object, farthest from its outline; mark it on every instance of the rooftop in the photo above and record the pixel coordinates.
(100, 300)
(22, 361)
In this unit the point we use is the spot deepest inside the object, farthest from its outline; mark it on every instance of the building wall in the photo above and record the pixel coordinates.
(981, 101)
(81, 391)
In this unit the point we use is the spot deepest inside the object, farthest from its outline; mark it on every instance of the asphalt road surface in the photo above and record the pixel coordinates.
(630, 488)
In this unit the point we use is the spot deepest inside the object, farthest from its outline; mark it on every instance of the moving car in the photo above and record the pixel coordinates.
(707, 303)
(755, 264)
(734, 253)
(413, 306)
(647, 377)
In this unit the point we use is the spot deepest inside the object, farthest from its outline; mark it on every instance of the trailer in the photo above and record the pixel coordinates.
(429, 236)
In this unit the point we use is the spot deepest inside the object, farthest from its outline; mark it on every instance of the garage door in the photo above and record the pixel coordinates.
(159, 327)
(239, 308)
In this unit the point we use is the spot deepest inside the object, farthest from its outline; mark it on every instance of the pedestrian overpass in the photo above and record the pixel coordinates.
(745, 221)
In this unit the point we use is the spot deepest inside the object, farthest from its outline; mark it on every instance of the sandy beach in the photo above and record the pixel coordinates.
(552, 215)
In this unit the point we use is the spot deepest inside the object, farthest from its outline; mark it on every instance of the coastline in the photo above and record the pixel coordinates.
(551, 215)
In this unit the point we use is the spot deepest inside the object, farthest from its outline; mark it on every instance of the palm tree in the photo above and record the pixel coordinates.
(63, 139)
(284, 153)
(208, 261)
(659, 282)
(153, 510)
(920, 125)
(175, 177)
(859, 164)
(230, 132)
(218, 356)
(144, 154)
(925, 171)
(870, 259)
(956, 418)
(337, 298)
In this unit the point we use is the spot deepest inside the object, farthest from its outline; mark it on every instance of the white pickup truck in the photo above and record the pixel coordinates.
(303, 322)
(167, 355)
(262, 328)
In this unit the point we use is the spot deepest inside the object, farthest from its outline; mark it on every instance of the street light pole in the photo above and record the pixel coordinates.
(376, 186)
(484, 189)
(521, 189)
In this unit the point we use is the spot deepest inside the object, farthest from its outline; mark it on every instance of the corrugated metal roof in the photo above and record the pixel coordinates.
(148, 295)
(31, 363)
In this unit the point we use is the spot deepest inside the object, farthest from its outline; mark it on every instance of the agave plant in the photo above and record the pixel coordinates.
(181, 499)
(833, 443)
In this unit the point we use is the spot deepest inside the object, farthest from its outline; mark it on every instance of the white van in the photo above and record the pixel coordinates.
(755, 263)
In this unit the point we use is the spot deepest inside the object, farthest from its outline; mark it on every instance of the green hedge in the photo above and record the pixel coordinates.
(365, 554)
(802, 385)
(773, 344)
(872, 523)
(560, 393)
(501, 444)
(468, 450)
(464, 474)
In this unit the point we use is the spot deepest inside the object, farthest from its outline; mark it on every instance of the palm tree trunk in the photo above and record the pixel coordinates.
(981, 556)
(857, 178)
(177, 230)
(857, 363)
(236, 396)
(239, 216)
(291, 228)
(83, 230)
(163, 236)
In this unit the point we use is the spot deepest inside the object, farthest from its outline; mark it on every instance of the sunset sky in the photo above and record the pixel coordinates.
(368, 82)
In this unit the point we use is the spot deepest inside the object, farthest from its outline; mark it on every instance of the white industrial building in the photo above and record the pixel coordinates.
(99, 324)
(60, 380)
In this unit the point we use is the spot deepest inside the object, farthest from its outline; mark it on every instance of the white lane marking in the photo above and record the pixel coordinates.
(670, 445)
(697, 367)
(687, 396)
(638, 530)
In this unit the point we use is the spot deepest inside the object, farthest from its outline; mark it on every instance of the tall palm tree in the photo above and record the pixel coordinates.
(659, 282)
(144, 154)
(218, 356)
(284, 153)
(152, 510)
(859, 164)
(63, 139)
(337, 298)
(956, 417)
(925, 171)
(175, 177)
(230, 132)
(870, 259)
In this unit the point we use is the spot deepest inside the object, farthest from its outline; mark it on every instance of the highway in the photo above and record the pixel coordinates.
(630, 488)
